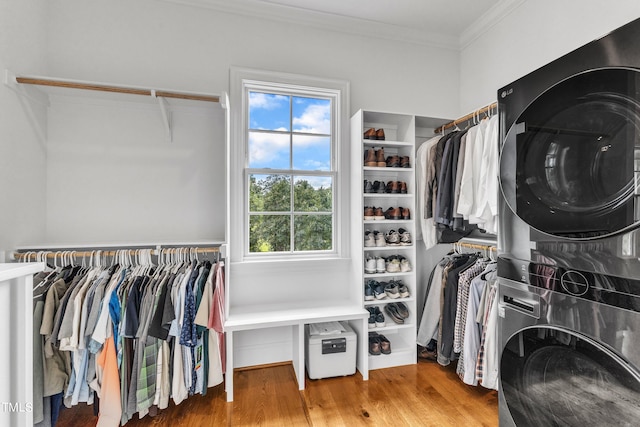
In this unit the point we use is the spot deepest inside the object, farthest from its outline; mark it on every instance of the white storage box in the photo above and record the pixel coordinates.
(331, 355)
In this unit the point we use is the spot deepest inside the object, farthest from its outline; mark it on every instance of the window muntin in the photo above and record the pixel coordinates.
(290, 172)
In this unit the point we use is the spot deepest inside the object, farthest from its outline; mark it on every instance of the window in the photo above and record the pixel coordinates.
(290, 169)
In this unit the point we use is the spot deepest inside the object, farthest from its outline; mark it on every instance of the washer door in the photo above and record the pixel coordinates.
(551, 377)
(570, 163)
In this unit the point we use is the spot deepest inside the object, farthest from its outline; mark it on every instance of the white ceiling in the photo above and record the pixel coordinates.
(445, 23)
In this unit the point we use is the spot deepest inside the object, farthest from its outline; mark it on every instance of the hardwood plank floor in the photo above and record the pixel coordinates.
(425, 394)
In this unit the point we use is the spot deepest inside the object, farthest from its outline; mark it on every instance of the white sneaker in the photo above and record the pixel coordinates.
(393, 266)
(380, 240)
(392, 238)
(369, 241)
(370, 265)
(405, 266)
(405, 237)
(380, 265)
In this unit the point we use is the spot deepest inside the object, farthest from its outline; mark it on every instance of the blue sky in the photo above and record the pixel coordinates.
(272, 150)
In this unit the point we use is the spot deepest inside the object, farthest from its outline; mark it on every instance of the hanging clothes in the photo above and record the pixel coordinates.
(457, 183)
(459, 317)
(128, 335)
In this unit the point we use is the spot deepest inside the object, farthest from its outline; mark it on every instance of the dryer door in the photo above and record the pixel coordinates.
(570, 163)
(553, 377)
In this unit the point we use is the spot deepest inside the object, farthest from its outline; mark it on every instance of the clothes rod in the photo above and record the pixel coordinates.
(39, 81)
(483, 110)
(110, 253)
(476, 246)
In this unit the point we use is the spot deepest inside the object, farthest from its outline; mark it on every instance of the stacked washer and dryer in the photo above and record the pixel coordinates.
(569, 240)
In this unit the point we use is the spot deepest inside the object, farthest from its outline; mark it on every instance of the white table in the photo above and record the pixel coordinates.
(251, 318)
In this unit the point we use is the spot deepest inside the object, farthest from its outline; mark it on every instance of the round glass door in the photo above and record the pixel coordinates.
(570, 162)
(550, 377)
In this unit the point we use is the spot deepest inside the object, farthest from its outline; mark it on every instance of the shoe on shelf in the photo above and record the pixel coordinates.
(393, 187)
(370, 134)
(392, 311)
(403, 289)
(372, 319)
(380, 134)
(405, 162)
(380, 265)
(405, 237)
(392, 290)
(379, 318)
(392, 213)
(370, 265)
(368, 291)
(378, 289)
(393, 161)
(385, 344)
(368, 186)
(405, 267)
(379, 187)
(374, 344)
(402, 309)
(393, 238)
(368, 212)
(379, 238)
(370, 158)
(406, 213)
(380, 161)
(403, 187)
(393, 265)
(369, 239)
(378, 214)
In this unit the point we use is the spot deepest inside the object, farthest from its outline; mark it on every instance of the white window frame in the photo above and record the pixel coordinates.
(244, 80)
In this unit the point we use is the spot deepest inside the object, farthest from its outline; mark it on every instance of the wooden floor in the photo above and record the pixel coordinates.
(425, 394)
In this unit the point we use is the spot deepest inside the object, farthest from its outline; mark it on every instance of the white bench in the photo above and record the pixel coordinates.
(251, 318)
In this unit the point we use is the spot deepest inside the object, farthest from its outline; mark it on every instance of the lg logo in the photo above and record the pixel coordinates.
(506, 93)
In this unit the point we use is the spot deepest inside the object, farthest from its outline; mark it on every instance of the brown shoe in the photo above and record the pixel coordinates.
(370, 134)
(393, 162)
(380, 158)
(392, 213)
(393, 187)
(380, 134)
(370, 158)
(378, 214)
(368, 212)
(406, 214)
(403, 187)
(405, 162)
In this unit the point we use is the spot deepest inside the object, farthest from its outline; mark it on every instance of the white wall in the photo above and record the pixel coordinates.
(113, 176)
(157, 43)
(22, 158)
(533, 35)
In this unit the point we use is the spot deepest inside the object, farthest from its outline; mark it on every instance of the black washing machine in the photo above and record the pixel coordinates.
(569, 238)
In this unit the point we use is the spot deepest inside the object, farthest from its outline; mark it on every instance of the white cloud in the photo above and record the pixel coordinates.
(265, 148)
(314, 119)
(316, 181)
(267, 101)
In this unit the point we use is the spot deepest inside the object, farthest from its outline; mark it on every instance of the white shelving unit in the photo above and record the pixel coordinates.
(400, 139)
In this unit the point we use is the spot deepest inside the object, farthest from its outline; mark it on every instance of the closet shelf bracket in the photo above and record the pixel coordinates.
(31, 101)
(165, 113)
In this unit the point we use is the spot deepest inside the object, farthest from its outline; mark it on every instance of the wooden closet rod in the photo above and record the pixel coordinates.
(76, 254)
(115, 89)
(476, 246)
(469, 116)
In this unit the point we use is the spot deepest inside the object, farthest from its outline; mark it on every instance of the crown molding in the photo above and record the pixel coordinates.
(490, 18)
(326, 21)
